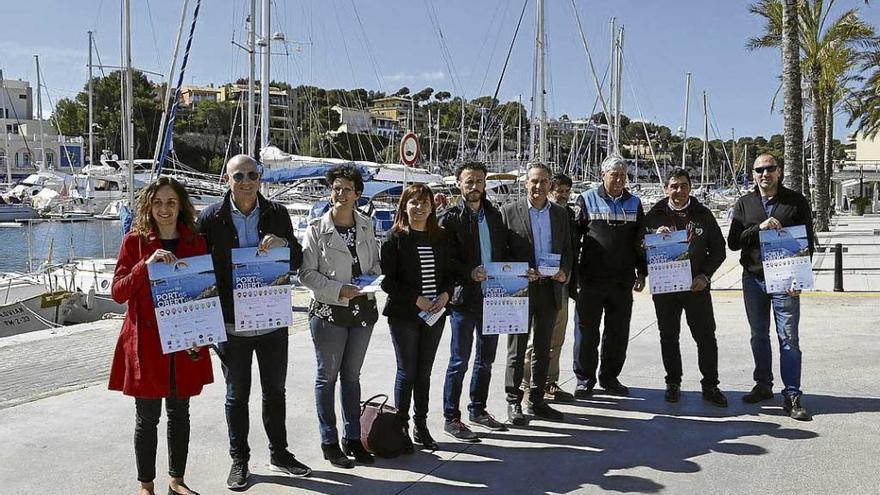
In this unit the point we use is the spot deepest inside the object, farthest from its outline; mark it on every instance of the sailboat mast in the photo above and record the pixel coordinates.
(619, 81)
(40, 111)
(542, 112)
(704, 173)
(519, 130)
(5, 133)
(687, 97)
(91, 107)
(251, 97)
(266, 44)
(129, 122)
(612, 74)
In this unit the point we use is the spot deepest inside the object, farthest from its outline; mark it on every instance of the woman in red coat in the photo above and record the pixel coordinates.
(163, 230)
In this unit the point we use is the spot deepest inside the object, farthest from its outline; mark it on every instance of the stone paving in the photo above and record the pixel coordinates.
(63, 432)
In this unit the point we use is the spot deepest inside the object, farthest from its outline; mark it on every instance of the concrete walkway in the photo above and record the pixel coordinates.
(62, 432)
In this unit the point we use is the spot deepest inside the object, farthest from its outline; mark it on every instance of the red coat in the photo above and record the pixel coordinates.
(139, 367)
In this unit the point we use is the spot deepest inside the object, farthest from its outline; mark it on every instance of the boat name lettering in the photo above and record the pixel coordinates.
(14, 322)
(11, 312)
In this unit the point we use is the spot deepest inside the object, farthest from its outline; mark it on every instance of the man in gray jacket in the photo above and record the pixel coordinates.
(538, 228)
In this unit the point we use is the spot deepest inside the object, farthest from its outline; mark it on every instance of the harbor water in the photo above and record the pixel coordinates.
(89, 239)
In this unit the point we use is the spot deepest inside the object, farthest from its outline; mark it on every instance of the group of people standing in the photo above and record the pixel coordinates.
(434, 267)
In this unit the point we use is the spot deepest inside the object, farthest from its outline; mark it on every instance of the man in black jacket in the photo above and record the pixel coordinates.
(477, 236)
(770, 206)
(246, 219)
(706, 249)
(611, 265)
(539, 229)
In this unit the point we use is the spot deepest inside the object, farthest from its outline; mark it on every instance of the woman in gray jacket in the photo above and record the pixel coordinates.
(340, 251)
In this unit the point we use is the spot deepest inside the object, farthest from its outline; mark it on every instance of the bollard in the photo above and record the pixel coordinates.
(838, 267)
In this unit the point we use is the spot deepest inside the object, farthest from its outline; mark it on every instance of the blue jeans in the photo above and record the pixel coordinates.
(464, 326)
(415, 344)
(787, 313)
(340, 353)
(238, 352)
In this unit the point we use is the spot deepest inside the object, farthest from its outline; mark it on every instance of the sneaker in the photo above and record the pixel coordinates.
(794, 408)
(715, 397)
(354, 448)
(457, 430)
(759, 393)
(286, 463)
(336, 456)
(673, 392)
(584, 390)
(543, 410)
(238, 475)
(515, 414)
(488, 422)
(615, 388)
(554, 392)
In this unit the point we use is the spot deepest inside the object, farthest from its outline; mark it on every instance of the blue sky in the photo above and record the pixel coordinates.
(392, 43)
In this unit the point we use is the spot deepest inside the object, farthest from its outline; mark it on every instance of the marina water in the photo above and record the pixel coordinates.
(90, 239)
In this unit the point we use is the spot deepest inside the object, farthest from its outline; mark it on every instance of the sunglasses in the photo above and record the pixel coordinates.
(768, 168)
(252, 176)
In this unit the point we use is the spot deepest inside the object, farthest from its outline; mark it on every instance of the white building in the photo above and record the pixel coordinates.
(20, 138)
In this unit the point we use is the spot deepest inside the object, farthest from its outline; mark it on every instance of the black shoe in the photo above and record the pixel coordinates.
(542, 410)
(238, 475)
(515, 414)
(715, 397)
(336, 456)
(794, 408)
(615, 388)
(354, 448)
(286, 463)
(408, 447)
(673, 392)
(584, 390)
(172, 491)
(759, 393)
(554, 392)
(423, 436)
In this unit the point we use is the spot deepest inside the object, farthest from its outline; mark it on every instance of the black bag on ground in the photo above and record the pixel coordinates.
(382, 431)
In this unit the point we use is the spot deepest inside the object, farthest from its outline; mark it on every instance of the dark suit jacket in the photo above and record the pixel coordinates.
(516, 218)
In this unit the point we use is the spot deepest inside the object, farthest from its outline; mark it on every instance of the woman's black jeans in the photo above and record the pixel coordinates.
(415, 345)
(147, 412)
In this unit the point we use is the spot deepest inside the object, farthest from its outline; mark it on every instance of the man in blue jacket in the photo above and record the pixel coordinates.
(611, 265)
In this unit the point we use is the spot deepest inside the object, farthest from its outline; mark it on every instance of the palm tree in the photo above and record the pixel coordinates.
(819, 39)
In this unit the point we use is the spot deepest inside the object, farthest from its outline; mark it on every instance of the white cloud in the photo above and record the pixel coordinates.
(421, 76)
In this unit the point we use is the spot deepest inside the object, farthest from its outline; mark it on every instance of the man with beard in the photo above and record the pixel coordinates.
(477, 236)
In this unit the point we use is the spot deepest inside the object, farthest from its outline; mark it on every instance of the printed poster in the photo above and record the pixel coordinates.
(548, 265)
(506, 298)
(786, 258)
(261, 288)
(669, 264)
(186, 303)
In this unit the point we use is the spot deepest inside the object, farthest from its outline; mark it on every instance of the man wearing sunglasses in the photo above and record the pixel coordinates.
(611, 265)
(244, 218)
(770, 206)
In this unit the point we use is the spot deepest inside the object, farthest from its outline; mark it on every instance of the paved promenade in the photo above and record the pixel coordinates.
(62, 432)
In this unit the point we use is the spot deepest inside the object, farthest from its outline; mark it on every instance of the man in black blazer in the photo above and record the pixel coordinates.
(538, 227)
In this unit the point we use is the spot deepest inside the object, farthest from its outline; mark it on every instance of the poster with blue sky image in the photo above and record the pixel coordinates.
(186, 303)
(505, 299)
(785, 254)
(669, 264)
(261, 289)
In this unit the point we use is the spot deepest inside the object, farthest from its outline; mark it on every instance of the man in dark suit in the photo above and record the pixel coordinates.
(538, 228)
